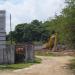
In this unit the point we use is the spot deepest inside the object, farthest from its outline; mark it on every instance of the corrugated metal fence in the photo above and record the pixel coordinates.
(7, 55)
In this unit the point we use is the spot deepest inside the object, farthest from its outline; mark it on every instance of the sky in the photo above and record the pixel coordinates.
(23, 11)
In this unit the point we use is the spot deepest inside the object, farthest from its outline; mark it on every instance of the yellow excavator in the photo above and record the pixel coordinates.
(52, 42)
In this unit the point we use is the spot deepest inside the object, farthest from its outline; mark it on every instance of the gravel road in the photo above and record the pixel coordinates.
(49, 66)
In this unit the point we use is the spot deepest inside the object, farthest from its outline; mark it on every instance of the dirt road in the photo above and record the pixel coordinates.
(49, 66)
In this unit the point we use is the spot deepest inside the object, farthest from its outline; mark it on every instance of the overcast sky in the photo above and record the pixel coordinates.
(27, 10)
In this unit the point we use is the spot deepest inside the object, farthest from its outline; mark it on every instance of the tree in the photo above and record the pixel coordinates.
(34, 31)
(69, 15)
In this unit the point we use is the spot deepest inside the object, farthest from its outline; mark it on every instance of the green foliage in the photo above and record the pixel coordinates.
(69, 15)
(35, 31)
(63, 24)
(58, 25)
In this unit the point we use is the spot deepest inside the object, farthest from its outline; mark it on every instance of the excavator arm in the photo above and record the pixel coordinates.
(52, 42)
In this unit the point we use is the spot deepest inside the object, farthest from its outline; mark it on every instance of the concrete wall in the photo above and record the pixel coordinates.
(29, 55)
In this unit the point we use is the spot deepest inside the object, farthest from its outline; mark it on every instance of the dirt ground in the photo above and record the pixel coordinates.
(49, 66)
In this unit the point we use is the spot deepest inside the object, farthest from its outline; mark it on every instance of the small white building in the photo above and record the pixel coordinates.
(6, 52)
(2, 29)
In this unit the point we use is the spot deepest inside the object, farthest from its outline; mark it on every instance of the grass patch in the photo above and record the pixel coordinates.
(15, 66)
(19, 65)
(43, 53)
(72, 64)
(37, 60)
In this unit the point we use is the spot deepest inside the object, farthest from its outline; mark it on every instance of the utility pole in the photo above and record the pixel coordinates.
(10, 30)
